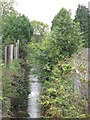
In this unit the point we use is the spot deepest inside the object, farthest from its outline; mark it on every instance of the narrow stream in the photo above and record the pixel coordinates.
(29, 107)
(33, 104)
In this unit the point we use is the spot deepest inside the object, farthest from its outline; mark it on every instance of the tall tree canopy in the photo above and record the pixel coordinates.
(6, 7)
(62, 18)
(67, 33)
(63, 41)
(82, 17)
(40, 29)
(15, 27)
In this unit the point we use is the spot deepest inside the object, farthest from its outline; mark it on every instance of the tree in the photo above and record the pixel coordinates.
(6, 8)
(62, 18)
(63, 41)
(40, 29)
(67, 35)
(15, 27)
(82, 17)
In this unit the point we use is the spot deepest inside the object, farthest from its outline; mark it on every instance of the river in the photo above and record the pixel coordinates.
(33, 104)
(30, 107)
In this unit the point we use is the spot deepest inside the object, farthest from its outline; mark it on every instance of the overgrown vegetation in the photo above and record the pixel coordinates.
(15, 76)
(82, 17)
(15, 27)
(58, 98)
(59, 57)
(9, 85)
(40, 29)
(57, 45)
(15, 87)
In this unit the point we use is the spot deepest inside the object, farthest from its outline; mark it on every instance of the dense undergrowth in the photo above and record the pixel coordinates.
(58, 98)
(59, 58)
(64, 86)
(62, 69)
(15, 26)
(15, 87)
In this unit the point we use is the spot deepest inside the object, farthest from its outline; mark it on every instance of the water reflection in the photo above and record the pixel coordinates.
(33, 105)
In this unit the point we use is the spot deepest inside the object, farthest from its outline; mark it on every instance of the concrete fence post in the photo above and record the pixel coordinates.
(11, 54)
(16, 50)
(7, 55)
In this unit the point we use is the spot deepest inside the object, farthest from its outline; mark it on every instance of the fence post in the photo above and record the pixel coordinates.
(11, 54)
(7, 54)
(10, 51)
(16, 50)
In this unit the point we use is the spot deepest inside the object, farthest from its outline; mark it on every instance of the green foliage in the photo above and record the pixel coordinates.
(57, 68)
(59, 44)
(82, 17)
(42, 55)
(67, 34)
(40, 29)
(15, 27)
(58, 99)
(8, 79)
(6, 7)
(52, 54)
(15, 85)
(62, 18)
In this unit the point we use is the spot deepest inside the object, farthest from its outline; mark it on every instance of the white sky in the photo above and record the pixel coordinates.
(45, 10)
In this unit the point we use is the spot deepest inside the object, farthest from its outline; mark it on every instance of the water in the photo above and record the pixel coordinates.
(28, 106)
(33, 97)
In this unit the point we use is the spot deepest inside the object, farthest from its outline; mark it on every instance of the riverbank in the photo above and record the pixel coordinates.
(62, 96)
(15, 88)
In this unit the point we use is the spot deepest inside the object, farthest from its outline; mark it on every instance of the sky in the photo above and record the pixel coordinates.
(45, 10)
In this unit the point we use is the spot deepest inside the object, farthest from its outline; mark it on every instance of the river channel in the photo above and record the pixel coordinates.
(33, 97)
(30, 107)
